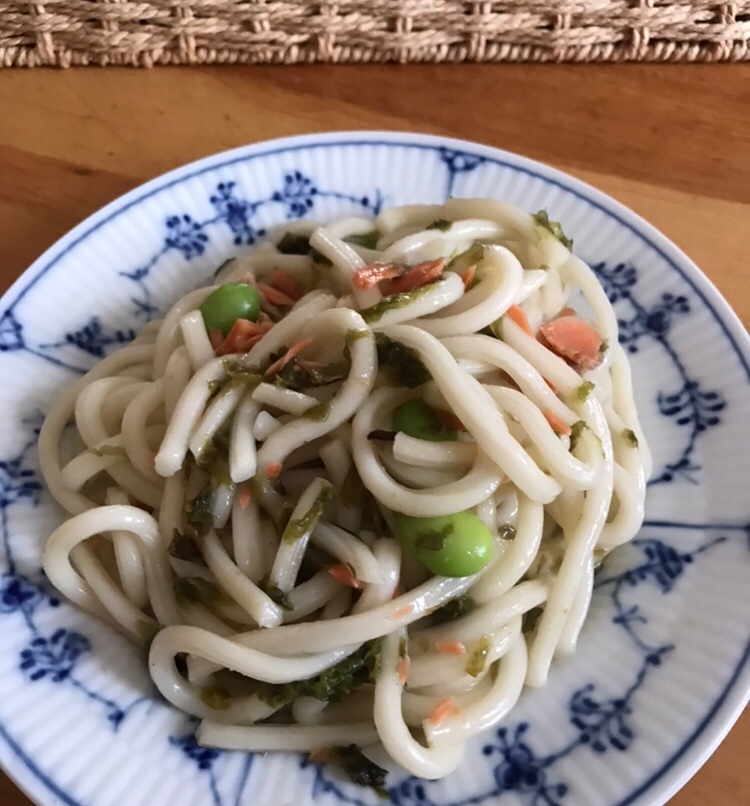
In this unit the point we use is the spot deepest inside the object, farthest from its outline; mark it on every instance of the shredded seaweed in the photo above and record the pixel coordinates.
(469, 257)
(296, 244)
(200, 508)
(554, 227)
(333, 684)
(454, 609)
(375, 312)
(275, 593)
(400, 363)
(583, 391)
(319, 413)
(185, 547)
(199, 590)
(356, 335)
(238, 371)
(357, 766)
(109, 450)
(301, 527)
(369, 240)
(296, 375)
(576, 432)
(478, 654)
(216, 697)
(214, 457)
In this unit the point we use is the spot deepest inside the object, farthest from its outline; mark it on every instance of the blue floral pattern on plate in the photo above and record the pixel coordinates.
(598, 721)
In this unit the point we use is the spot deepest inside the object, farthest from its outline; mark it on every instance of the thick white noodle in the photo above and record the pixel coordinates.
(517, 555)
(346, 259)
(418, 478)
(247, 594)
(241, 522)
(440, 673)
(475, 408)
(352, 393)
(186, 416)
(479, 483)
(378, 621)
(578, 612)
(500, 278)
(490, 616)
(283, 399)
(421, 453)
(64, 577)
(134, 429)
(242, 454)
(347, 548)
(310, 596)
(176, 377)
(388, 554)
(170, 332)
(92, 461)
(565, 467)
(286, 332)
(217, 413)
(434, 298)
(128, 557)
(424, 762)
(265, 425)
(48, 446)
(487, 712)
(247, 539)
(292, 549)
(194, 334)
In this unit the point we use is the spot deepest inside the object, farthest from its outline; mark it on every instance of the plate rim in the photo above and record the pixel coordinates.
(726, 709)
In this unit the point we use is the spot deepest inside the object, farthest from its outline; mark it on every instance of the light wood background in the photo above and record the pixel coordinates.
(672, 142)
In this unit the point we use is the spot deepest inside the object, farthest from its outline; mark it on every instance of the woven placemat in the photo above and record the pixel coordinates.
(149, 32)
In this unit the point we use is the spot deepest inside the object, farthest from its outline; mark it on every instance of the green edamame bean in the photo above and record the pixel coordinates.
(227, 304)
(416, 419)
(455, 545)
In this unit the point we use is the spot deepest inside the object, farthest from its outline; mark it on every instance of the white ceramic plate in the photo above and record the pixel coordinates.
(662, 669)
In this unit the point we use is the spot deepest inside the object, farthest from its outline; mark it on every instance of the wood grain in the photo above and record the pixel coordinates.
(672, 142)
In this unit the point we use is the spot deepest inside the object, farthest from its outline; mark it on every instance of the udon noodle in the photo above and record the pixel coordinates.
(271, 507)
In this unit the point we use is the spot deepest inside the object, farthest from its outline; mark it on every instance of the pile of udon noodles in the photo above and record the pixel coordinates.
(188, 471)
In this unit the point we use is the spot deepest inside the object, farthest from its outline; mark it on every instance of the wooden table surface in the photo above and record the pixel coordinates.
(672, 142)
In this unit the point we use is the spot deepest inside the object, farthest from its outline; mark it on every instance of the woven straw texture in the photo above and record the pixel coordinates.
(149, 32)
